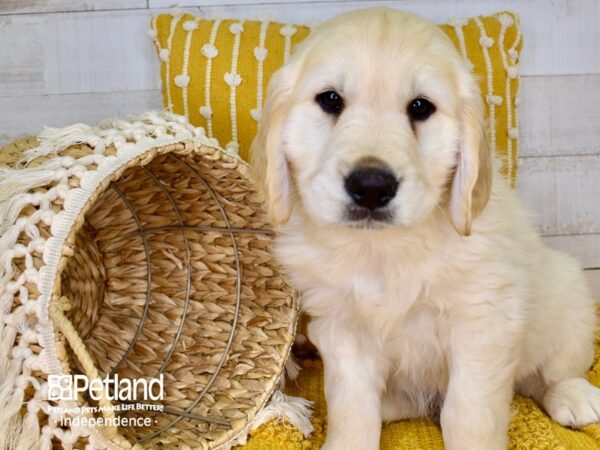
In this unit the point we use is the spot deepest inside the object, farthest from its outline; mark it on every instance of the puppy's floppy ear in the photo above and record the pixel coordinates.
(472, 181)
(270, 171)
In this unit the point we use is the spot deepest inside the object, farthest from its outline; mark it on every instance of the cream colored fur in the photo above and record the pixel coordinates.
(456, 300)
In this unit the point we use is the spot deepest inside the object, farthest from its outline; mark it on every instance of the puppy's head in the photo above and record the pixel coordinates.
(374, 122)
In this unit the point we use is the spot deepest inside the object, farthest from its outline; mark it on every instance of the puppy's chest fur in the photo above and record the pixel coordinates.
(388, 303)
(406, 325)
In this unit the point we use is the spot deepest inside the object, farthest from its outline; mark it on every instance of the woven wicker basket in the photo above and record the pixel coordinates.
(139, 251)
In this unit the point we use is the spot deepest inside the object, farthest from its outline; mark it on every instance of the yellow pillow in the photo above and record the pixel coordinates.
(216, 72)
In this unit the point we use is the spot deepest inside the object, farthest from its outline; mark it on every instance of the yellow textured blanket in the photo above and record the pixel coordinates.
(530, 428)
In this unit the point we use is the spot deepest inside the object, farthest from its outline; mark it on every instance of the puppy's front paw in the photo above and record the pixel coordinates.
(573, 402)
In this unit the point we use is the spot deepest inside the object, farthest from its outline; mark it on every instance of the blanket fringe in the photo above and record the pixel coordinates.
(11, 399)
(30, 437)
(54, 140)
(297, 411)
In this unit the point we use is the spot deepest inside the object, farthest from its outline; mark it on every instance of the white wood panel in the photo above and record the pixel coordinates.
(585, 247)
(21, 56)
(593, 277)
(563, 192)
(103, 51)
(68, 53)
(560, 115)
(42, 6)
(110, 51)
(20, 116)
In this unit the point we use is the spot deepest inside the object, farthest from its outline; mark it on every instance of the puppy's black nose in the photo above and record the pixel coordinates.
(371, 187)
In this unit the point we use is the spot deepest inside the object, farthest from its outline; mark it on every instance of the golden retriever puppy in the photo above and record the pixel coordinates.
(425, 281)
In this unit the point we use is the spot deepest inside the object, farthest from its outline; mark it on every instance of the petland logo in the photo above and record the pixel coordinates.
(68, 387)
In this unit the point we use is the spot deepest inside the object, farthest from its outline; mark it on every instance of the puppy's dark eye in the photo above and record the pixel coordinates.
(331, 102)
(420, 109)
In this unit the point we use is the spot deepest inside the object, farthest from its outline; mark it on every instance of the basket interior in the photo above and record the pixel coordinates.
(171, 273)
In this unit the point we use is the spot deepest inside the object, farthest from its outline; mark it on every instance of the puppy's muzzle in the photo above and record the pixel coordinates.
(371, 187)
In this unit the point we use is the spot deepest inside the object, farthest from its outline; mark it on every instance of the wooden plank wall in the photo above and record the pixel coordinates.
(64, 61)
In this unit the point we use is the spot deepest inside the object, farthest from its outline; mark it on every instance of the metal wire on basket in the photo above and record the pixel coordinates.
(231, 231)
